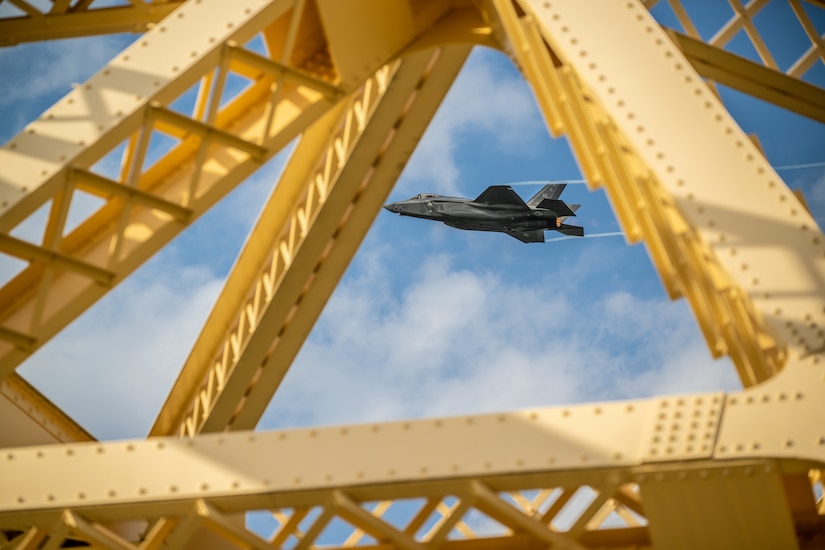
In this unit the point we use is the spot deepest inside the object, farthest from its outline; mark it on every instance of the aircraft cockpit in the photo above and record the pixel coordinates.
(425, 196)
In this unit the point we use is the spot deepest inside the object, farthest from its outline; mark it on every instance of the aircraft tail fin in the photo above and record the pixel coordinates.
(571, 230)
(549, 191)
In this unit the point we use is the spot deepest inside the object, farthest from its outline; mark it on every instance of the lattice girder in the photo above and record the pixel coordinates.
(83, 18)
(681, 191)
(676, 172)
(622, 454)
(294, 257)
(217, 147)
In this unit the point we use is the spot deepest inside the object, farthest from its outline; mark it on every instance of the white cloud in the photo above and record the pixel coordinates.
(445, 340)
(113, 367)
(485, 101)
(459, 342)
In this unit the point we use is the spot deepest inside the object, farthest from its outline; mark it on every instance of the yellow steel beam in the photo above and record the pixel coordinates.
(31, 419)
(752, 78)
(478, 459)
(294, 257)
(676, 172)
(82, 19)
(154, 198)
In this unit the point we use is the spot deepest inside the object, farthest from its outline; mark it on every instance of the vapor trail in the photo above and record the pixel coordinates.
(541, 182)
(591, 236)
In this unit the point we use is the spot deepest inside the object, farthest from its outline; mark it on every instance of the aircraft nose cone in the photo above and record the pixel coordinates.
(391, 207)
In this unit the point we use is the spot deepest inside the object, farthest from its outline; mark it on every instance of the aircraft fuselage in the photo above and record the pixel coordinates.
(465, 214)
(498, 209)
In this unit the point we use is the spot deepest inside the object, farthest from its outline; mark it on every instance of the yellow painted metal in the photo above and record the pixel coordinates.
(723, 508)
(49, 162)
(31, 419)
(753, 272)
(762, 82)
(81, 19)
(668, 188)
(295, 257)
(478, 459)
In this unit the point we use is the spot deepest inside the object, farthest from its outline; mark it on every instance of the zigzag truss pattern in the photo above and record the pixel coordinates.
(126, 161)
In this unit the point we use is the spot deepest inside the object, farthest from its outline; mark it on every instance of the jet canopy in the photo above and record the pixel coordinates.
(425, 196)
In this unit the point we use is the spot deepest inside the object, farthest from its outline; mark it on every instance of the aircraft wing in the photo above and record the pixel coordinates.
(501, 194)
(550, 191)
(534, 236)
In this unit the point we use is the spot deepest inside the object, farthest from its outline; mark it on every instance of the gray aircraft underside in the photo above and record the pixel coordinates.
(499, 209)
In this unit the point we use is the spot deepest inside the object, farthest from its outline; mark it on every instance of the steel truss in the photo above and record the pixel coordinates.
(67, 19)
(618, 460)
(745, 466)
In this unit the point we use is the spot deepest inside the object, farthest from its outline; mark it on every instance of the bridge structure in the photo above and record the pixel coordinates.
(355, 84)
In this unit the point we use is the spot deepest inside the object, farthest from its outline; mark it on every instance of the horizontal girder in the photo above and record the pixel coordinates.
(83, 18)
(295, 257)
(676, 172)
(630, 455)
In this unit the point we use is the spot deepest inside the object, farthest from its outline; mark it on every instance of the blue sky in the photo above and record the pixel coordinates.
(428, 320)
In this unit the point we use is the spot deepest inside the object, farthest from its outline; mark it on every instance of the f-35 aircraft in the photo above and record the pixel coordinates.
(498, 208)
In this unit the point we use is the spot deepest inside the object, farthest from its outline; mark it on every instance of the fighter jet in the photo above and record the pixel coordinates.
(498, 208)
